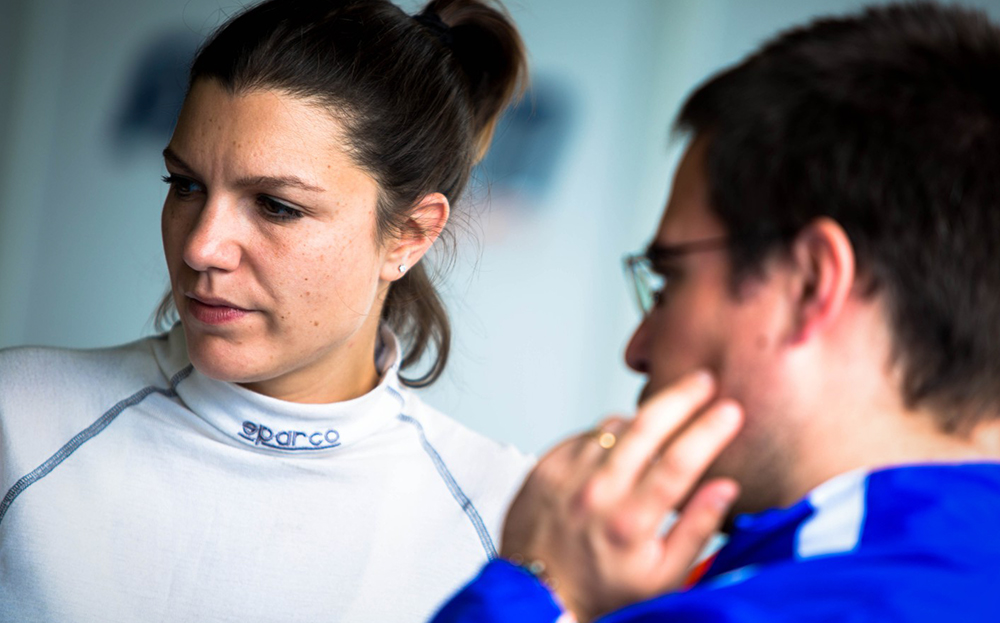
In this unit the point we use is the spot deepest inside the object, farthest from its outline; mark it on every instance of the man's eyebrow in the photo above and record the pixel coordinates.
(662, 253)
(658, 252)
(256, 181)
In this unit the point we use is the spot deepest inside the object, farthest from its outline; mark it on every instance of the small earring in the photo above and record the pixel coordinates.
(402, 268)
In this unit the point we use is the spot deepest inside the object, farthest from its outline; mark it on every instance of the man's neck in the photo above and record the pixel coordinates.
(859, 419)
(847, 408)
(889, 439)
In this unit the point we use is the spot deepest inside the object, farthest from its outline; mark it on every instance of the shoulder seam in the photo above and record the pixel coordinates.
(86, 435)
(456, 491)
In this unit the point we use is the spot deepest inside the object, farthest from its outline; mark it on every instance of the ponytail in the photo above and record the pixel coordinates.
(486, 47)
(490, 51)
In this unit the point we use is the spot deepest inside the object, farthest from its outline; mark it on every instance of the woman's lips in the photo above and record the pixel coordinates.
(214, 314)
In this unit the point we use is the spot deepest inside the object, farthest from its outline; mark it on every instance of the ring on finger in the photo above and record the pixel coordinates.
(604, 438)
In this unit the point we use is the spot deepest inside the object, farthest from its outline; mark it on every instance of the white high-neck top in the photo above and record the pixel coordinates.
(137, 489)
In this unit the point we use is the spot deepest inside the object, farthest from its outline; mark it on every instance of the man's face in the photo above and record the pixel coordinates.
(701, 322)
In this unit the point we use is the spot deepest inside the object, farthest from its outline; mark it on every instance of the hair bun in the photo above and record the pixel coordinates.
(433, 22)
(486, 45)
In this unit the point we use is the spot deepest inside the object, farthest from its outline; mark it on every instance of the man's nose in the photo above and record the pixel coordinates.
(213, 242)
(637, 349)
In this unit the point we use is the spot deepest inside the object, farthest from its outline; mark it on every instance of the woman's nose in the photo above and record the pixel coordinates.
(213, 242)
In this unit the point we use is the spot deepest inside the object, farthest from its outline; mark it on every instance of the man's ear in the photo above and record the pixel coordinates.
(422, 227)
(823, 262)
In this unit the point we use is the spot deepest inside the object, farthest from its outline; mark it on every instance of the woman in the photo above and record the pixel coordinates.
(265, 460)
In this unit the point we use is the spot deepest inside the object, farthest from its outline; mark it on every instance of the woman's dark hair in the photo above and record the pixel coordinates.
(888, 122)
(419, 98)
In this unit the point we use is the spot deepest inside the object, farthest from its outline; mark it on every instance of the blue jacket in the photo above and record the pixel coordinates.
(905, 544)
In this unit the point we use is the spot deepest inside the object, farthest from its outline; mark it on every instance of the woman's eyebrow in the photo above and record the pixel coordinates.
(276, 181)
(172, 158)
(254, 181)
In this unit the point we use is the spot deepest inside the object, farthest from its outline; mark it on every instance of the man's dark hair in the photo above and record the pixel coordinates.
(889, 123)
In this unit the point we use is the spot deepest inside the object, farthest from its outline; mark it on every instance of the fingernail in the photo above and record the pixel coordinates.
(704, 377)
(725, 495)
(728, 415)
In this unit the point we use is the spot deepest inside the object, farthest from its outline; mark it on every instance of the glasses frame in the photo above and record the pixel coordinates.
(640, 268)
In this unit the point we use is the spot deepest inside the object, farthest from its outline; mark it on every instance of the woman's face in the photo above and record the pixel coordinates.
(269, 234)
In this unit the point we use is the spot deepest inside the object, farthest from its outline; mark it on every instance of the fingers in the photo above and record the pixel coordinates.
(656, 421)
(669, 480)
(697, 524)
(557, 467)
(589, 449)
(680, 465)
(592, 511)
(573, 462)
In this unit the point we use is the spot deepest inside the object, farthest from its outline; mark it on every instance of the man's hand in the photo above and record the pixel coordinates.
(593, 516)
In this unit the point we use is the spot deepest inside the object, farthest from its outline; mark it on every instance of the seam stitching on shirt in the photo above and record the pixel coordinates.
(456, 491)
(86, 435)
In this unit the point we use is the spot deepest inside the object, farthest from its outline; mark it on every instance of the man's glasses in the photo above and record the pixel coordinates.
(644, 270)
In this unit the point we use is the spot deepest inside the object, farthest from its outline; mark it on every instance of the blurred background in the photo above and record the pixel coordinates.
(577, 177)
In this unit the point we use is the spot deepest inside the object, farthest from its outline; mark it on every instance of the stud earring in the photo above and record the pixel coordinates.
(402, 268)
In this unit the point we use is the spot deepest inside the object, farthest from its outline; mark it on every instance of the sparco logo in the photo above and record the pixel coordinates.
(261, 435)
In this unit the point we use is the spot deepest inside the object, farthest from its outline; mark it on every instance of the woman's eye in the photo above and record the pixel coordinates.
(183, 186)
(276, 210)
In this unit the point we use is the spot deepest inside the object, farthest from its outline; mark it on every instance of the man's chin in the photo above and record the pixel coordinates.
(662, 381)
(643, 395)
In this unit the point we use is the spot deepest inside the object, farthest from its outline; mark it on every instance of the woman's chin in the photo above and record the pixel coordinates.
(224, 362)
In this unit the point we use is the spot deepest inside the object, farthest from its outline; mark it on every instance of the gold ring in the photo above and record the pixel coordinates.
(605, 439)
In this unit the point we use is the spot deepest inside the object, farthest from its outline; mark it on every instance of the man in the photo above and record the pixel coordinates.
(830, 252)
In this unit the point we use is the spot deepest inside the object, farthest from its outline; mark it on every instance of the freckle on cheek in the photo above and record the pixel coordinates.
(315, 323)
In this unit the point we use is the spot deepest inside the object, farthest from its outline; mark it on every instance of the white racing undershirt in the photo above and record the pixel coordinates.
(137, 489)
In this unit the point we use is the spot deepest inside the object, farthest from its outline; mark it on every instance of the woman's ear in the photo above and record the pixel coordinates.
(418, 232)
(823, 261)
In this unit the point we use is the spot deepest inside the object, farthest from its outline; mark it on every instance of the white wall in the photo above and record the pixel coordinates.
(541, 310)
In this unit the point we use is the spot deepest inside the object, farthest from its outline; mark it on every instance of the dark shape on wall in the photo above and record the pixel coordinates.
(529, 142)
(155, 90)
